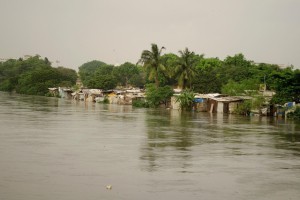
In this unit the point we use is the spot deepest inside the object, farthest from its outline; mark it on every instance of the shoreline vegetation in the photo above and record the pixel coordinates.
(159, 74)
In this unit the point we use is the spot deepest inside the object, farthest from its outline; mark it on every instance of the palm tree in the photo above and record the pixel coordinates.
(152, 61)
(185, 69)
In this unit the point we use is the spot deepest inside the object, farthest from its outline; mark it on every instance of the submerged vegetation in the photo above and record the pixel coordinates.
(156, 96)
(295, 114)
(186, 99)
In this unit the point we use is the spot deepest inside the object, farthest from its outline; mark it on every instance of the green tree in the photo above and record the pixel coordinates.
(153, 62)
(105, 82)
(170, 61)
(37, 82)
(185, 68)
(208, 77)
(245, 87)
(286, 83)
(67, 75)
(236, 68)
(87, 70)
(9, 73)
(158, 95)
(103, 78)
(137, 80)
(33, 76)
(126, 74)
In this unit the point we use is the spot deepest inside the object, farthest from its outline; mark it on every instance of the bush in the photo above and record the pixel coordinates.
(156, 96)
(243, 108)
(106, 100)
(186, 99)
(295, 114)
(140, 104)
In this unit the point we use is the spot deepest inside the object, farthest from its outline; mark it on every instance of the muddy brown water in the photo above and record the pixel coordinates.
(65, 150)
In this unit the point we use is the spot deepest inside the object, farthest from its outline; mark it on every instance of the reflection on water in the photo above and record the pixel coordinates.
(177, 132)
(57, 149)
(168, 139)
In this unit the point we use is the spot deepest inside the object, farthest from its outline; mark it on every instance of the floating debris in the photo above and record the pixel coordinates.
(109, 187)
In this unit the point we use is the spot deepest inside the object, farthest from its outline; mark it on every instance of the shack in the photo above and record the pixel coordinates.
(201, 101)
(224, 104)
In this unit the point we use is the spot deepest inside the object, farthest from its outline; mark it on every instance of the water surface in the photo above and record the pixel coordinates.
(66, 150)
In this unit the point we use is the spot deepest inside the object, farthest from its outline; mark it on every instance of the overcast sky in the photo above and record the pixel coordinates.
(115, 31)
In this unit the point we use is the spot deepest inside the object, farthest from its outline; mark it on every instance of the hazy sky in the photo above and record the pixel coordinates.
(116, 31)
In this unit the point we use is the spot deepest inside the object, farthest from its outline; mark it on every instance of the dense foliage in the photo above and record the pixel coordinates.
(158, 95)
(87, 70)
(235, 75)
(34, 76)
(152, 61)
(244, 108)
(97, 74)
(295, 114)
(129, 74)
(186, 99)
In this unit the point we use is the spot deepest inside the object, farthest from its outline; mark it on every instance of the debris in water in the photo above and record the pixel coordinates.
(109, 187)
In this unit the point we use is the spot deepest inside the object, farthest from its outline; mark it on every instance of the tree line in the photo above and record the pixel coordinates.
(160, 72)
(233, 76)
(34, 76)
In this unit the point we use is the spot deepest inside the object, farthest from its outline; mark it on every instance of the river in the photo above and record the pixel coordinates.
(65, 150)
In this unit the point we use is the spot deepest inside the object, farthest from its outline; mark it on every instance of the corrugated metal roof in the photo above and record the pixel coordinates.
(227, 99)
(206, 96)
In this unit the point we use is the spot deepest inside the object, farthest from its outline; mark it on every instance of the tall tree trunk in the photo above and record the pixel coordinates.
(156, 81)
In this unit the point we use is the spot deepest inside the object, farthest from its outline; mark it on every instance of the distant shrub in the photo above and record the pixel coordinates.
(157, 96)
(295, 114)
(243, 108)
(140, 104)
(186, 99)
(106, 100)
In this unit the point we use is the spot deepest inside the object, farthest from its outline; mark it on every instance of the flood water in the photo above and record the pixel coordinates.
(65, 150)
